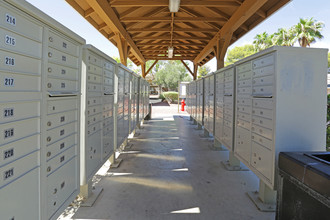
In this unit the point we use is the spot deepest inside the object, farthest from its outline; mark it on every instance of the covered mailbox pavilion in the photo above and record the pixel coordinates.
(192, 30)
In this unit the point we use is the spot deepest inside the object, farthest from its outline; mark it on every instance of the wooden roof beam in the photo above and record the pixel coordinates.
(150, 68)
(189, 30)
(102, 26)
(88, 12)
(166, 44)
(261, 13)
(187, 67)
(169, 38)
(164, 48)
(219, 12)
(195, 14)
(166, 58)
(169, 19)
(103, 9)
(193, 26)
(149, 14)
(153, 3)
(244, 12)
(165, 52)
(128, 11)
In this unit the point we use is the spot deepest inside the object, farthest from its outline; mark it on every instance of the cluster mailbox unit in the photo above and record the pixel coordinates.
(272, 101)
(97, 102)
(39, 121)
(58, 107)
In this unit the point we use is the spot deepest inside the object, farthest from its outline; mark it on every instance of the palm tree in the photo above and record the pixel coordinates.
(307, 31)
(284, 37)
(262, 41)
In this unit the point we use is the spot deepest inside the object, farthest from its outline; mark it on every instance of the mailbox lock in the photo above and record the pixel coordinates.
(49, 169)
(49, 85)
(55, 191)
(49, 139)
(50, 39)
(49, 123)
(50, 54)
(49, 69)
(48, 154)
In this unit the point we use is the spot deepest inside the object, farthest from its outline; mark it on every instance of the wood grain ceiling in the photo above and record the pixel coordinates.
(144, 29)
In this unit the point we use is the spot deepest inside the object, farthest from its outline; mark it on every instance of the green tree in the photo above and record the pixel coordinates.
(238, 53)
(329, 60)
(170, 73)
(203, 71)
(284, 37)
(262, 41)
(307, 31)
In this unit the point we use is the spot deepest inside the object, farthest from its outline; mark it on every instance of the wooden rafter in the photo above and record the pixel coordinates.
(128, 11)
(103, 9)
(195, 30)
(169, 19)
(196, 15)
(208, 30)
(248, 8)
(218, 12)
(176, 37)
(164, 49)
(88, 12)
(166, 58)
(182, 3)
(152, 66)
(149, 14)
(174, 44)
(187, 67)
(165, 53)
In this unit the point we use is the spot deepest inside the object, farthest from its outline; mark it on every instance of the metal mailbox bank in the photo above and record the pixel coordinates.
(97, 134)
(40, 86)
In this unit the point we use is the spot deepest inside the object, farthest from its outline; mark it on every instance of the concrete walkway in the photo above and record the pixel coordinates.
(171, 173)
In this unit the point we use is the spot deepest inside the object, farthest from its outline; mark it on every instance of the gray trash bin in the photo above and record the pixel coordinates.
(304, 186)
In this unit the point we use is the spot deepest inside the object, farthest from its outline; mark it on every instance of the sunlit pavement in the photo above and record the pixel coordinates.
(171, 173)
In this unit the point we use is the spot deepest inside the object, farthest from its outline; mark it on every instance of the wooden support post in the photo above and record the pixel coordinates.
(143, 68)
(221, 49)
(195, 71)
(123, 48)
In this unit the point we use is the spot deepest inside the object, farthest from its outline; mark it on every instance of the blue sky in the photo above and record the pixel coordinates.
(285, 17)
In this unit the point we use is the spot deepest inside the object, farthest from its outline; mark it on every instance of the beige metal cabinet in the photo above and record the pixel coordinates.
(224, 106)
(20, 108)
(40, 68)
(96, 108)
(280, 106)
(29, 204)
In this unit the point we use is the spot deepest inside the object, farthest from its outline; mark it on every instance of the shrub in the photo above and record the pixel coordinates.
(171, 97)
(161, 96)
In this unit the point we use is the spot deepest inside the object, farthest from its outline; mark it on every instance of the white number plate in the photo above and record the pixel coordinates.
(9, 82)
(8, 153)
(9, 133)
(9, 173)
(9, 40)
(10, 19)
(10, 61)
(8, 112)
